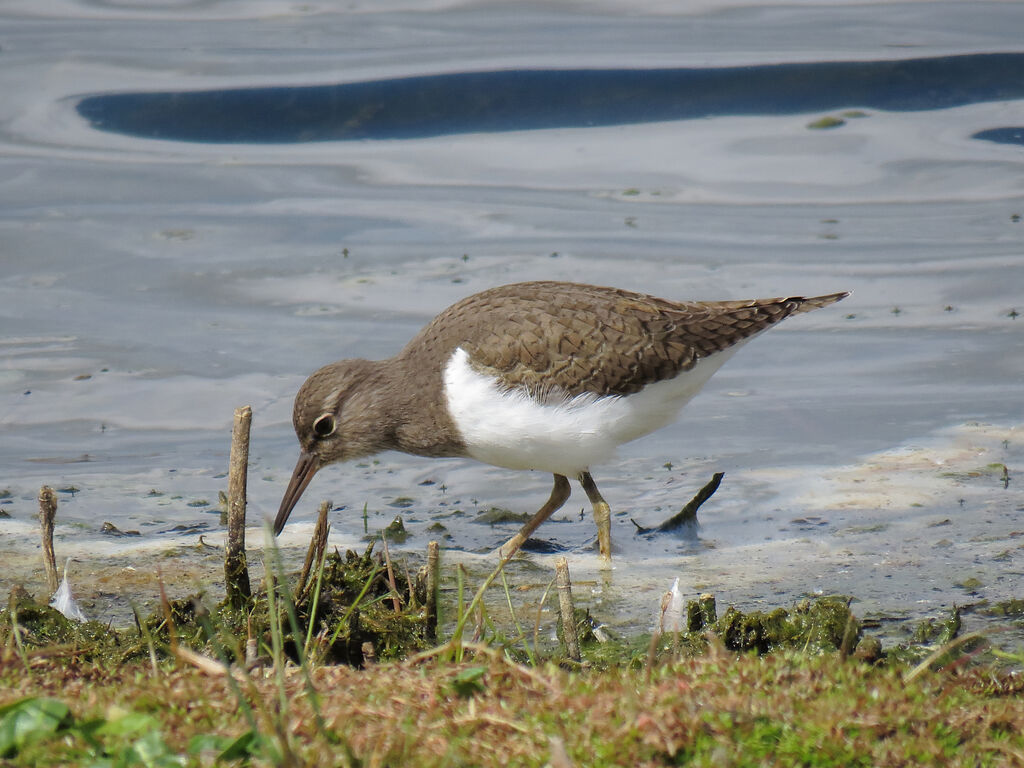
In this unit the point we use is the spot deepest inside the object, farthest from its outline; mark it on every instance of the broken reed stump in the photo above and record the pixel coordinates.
(315, 553)
(236, 572)
(701, 613)
(566, 612)
(433, 585)
(688, 514)
(47, 519)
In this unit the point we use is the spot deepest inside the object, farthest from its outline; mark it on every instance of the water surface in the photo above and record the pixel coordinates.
(154, 278)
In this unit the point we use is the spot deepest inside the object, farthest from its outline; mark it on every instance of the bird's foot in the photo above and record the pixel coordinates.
(603, 518)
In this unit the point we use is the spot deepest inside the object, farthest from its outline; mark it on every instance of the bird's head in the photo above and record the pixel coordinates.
(337, 417)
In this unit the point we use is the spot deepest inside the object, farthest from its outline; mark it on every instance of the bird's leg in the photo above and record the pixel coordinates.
(602, 515)
(559, 494)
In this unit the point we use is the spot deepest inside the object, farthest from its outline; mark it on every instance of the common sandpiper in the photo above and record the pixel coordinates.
(550, 376)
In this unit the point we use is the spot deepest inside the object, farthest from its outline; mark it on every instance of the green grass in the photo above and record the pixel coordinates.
(782, 687)
(715, 709)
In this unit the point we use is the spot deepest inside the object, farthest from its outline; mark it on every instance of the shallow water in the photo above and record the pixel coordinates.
(148, 287)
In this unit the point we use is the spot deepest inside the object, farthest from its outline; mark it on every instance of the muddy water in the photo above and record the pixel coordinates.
(149, 286)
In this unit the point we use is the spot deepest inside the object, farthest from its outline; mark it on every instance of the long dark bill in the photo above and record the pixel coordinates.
(304, 471)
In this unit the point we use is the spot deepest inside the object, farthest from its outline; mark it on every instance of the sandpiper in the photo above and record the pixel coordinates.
(543, 375)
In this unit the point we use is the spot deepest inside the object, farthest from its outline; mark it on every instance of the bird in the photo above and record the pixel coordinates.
(543, 375)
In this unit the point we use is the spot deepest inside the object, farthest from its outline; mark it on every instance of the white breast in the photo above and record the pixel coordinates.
(511, 429)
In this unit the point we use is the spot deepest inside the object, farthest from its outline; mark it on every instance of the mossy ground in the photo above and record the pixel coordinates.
(715, 709)
(801, 685)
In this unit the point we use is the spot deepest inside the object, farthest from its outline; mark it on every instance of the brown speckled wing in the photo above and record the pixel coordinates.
(569, 339)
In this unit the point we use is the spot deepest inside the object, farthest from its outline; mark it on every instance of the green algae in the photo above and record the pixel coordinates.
(360, 611)
(40, 626)
(498, 515)
(822, 625)
(1009, 608)
(395, 532)
(826, 122)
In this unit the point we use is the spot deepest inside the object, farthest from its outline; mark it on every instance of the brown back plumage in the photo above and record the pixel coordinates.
(569, 339)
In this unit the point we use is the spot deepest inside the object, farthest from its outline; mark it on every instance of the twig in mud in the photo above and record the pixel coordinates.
(47, 518)
(315, 553)
(165, 607)
(18, 595)
(687, 514)
(850, 635)
(411, 585)
(949, 647)
(391, 575)
(433, 581)
(566, 611)
(652, 646)
(252, 646)
(236, 572)
(540, 611)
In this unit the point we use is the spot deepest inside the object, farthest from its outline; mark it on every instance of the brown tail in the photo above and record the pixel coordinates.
(815, 302)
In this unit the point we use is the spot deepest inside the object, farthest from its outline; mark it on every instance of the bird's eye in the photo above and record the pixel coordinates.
(324, 426)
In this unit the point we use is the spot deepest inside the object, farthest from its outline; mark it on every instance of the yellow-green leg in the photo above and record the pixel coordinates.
(602, 515)
(559, 493)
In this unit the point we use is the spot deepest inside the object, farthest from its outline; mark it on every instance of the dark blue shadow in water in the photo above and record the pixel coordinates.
(515, 100)
(1008, 135)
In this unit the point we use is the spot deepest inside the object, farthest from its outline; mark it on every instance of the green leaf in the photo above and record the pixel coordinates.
(244, 746)
(87, 730)
(128, 724)
(468, 682)
(152, 751)
(30, 719)
(206, 742)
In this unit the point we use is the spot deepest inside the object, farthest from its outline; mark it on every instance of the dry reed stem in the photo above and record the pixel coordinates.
(47, 519)
(315, 553)
(433, 580)
(236, 572)
(392, 585)
(566, 611)
(206, 665)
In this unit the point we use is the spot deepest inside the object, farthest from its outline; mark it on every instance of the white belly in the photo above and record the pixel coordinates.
(511, 429)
